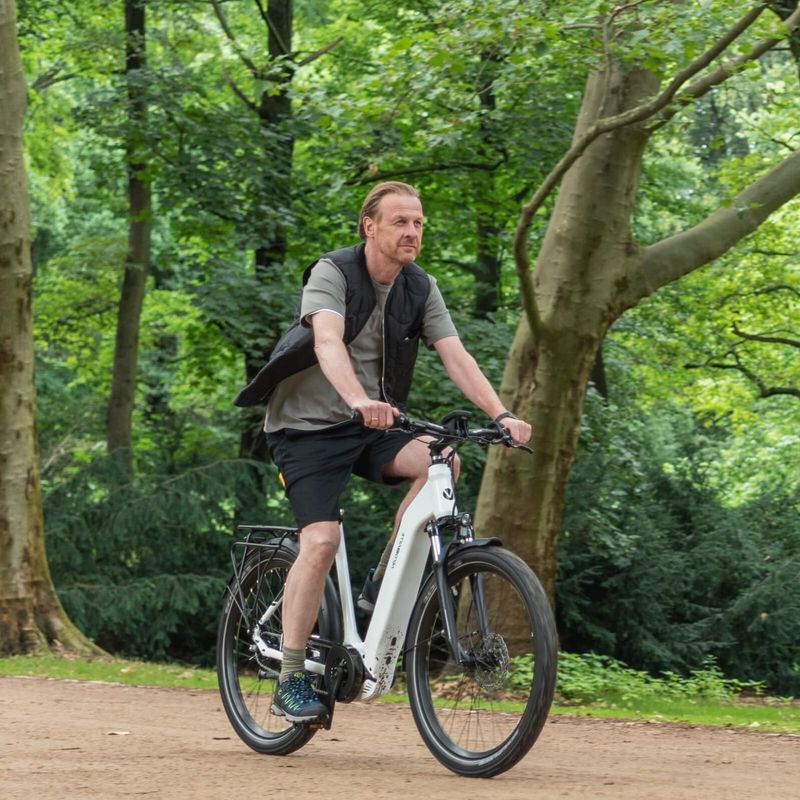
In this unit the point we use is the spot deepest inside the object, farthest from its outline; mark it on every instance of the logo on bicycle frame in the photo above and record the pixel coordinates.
(448, 493)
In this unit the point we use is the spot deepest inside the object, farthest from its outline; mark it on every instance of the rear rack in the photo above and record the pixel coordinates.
(260, 542)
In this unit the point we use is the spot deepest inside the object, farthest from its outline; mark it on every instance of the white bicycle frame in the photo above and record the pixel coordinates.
(383, 644)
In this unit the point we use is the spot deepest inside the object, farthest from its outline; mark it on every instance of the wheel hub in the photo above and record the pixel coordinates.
(491, 662)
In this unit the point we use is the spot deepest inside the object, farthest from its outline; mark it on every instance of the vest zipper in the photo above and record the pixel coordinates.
(383, 348)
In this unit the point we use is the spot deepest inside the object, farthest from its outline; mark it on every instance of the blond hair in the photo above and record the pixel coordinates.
(370, 206)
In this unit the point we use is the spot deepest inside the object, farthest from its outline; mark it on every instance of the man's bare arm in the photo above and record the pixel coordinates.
(467, 376)
(334, 361)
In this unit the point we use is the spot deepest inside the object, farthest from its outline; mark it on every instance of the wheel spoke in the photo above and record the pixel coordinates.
(474, 716)
(246, 677)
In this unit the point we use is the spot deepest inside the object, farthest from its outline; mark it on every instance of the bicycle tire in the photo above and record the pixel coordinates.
(246, 678)
(480, 721)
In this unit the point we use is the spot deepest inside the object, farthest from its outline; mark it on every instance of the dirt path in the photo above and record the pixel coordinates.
(62, 739)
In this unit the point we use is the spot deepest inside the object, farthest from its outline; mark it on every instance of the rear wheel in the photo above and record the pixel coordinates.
(247, 678)
(481, 718)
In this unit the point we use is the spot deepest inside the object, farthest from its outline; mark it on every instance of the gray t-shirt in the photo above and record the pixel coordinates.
(307, 401)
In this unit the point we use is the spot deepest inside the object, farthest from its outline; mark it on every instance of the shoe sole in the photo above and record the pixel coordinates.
(365, 604)
(279, 712)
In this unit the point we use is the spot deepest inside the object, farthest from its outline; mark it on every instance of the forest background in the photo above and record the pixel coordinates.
(186, 161)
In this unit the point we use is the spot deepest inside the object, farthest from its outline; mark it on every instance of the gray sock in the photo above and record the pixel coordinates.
(293, 661)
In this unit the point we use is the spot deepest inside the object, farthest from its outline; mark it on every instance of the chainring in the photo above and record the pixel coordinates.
(343, 665)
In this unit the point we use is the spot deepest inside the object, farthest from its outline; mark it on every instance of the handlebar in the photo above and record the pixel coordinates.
(453, 430)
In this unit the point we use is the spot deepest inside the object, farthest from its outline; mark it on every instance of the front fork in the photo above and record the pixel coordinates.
(447, 602)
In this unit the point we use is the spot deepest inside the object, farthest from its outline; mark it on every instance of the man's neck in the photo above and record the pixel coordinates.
(379, 267)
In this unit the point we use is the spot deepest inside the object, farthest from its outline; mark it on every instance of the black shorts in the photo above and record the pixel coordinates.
(316, 465)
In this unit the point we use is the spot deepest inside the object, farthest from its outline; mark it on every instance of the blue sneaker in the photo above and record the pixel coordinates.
(296, 700)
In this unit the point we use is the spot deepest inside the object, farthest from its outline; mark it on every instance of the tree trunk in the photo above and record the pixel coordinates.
(275, 115)
(784, 9)
(137, 261)
(583, 261)
(488, 265)
(31, 617)
(589, 271)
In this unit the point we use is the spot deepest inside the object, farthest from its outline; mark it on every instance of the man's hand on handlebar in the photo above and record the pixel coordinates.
(375, 414)
(519, 430)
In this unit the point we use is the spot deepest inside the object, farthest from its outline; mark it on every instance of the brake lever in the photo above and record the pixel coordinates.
(508, 441)
(401, 423)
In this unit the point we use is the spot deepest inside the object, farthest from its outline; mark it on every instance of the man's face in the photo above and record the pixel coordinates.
(396, 229)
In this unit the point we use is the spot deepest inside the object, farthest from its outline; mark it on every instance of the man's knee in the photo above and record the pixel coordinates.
(456, 466)
(456, 462)
(319, 542)
(420, 474)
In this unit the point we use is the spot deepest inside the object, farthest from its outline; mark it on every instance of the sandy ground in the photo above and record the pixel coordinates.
(63, 739)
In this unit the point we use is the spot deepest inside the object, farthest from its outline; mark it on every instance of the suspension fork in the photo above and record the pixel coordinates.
(446, 603)
(446, 599)
(479, 603)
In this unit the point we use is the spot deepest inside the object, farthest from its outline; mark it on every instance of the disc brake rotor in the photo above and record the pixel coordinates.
(491, 662)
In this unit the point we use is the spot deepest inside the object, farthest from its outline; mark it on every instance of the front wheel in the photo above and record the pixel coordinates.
(482, 717)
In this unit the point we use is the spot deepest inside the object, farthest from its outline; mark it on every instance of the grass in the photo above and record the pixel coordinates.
(600, 686)
(761, 716)
(588, 686)
(134, 673)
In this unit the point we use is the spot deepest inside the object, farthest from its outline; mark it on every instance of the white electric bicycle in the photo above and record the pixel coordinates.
(476, 636)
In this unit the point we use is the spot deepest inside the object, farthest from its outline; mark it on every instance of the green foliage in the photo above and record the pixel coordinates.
(591, 679)
(140, 567)
(657, 570)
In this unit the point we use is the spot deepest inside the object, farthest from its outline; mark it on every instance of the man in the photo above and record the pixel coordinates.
(362, 313)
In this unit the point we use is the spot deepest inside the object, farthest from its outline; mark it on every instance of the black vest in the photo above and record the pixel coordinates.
(402, 326)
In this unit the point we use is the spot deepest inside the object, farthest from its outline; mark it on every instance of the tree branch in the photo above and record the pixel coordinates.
(229, 33)
(51, 77)
(240, 93)
(784, 9)
(384, 176)
(321, 52)
(760, 252)
(606, 38)
(605, 125)
(764, 391)
(705, 84)
(760, 337)
(772, 391)
(262, 11)
(778, 287)
(672, 258)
